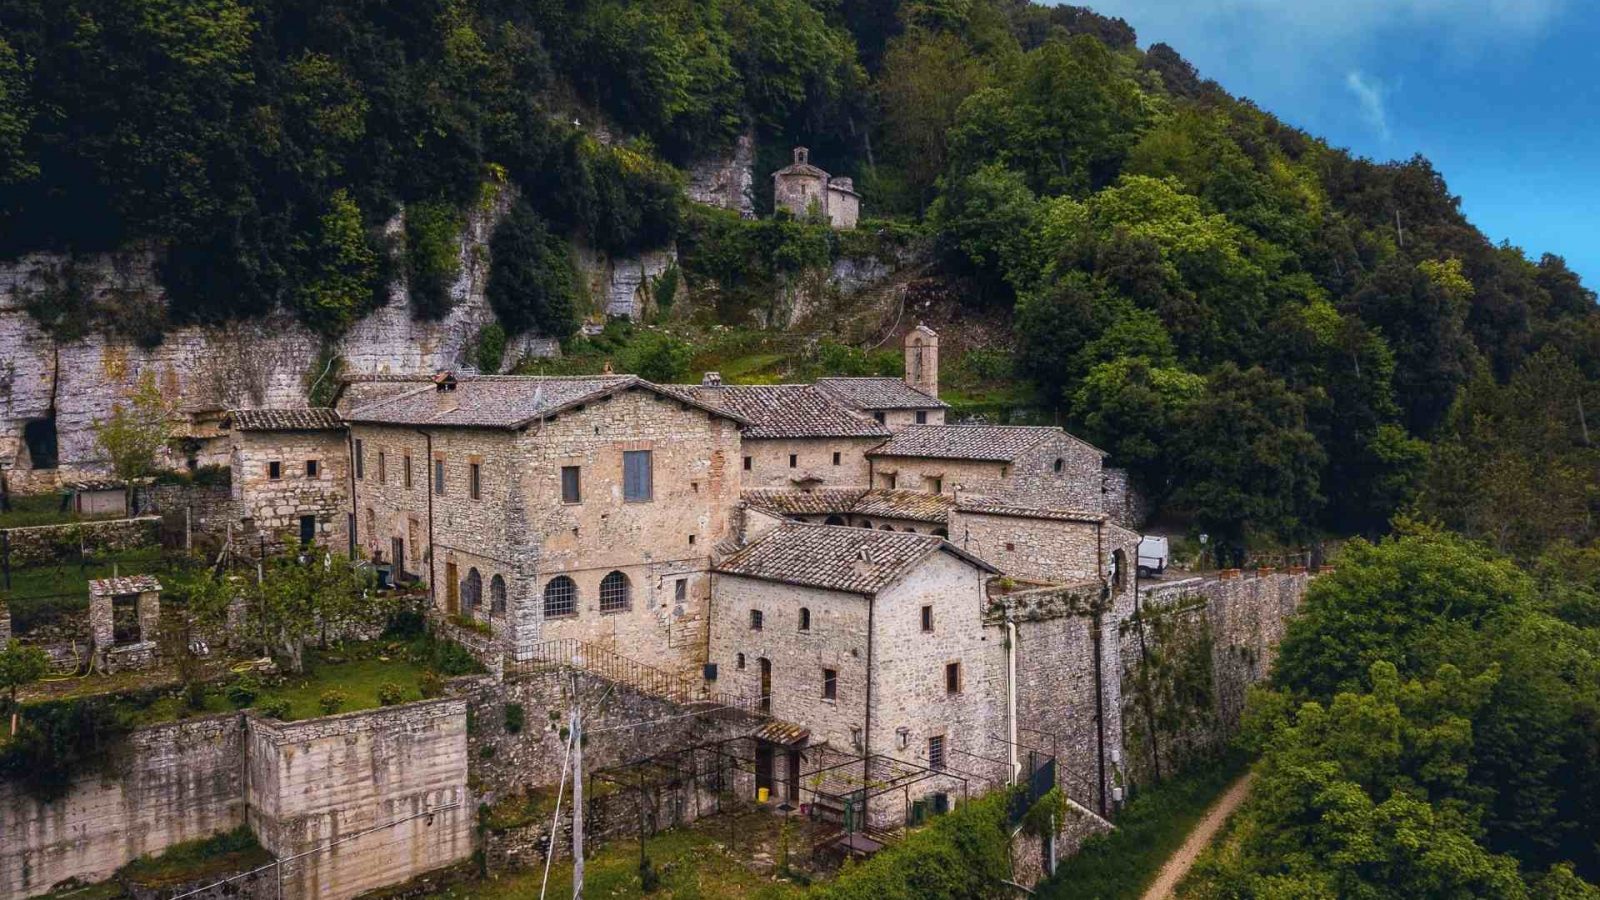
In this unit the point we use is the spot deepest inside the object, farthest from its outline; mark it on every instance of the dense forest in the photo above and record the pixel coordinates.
(1277, 338)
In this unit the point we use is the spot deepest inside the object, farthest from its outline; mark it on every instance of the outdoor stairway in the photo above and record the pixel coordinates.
(693, 693)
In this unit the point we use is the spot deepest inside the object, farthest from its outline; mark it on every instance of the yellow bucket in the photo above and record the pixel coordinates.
(761, 795)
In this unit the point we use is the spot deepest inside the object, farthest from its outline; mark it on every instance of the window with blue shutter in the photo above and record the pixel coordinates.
(636, 484)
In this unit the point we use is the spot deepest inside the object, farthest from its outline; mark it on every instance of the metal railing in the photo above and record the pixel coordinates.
(614, 667)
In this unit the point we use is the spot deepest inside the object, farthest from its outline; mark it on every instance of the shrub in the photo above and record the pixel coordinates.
(532, 284)
(514, 717)
(331, 700)
(275, 709)
(659, 357)
(431, 684)
(433, 237)
(666, 287)
(964, 854)
(490, 349)
(390, 694)
(243, 691)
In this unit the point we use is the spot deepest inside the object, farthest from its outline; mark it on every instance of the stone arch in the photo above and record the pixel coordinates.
(472, 591)
(560, 597)
(616, 592)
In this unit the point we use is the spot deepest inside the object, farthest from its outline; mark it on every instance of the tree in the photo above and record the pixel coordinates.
(531, 282)
(295, 601)
(137, 431)
(1130, 408)
(925, 78)
(20, 666)
(657, 356)
(340, 281)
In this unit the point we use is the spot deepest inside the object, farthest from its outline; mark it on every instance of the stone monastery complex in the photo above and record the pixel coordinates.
(834, 550)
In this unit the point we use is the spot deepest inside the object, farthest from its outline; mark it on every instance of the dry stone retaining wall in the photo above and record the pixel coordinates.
(42, 544)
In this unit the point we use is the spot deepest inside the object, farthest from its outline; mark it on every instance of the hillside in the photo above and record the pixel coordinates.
(1277, 339)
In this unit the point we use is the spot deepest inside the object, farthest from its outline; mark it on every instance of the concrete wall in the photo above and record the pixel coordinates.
(769, 462)
(327, 779)
(173, 783)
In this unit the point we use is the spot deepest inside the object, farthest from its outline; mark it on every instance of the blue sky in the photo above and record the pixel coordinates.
(1502, 95)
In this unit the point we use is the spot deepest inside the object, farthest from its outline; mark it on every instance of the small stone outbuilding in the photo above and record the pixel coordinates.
(124, 621)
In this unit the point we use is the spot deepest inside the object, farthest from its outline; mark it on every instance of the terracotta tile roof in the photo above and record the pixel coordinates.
(918, 506)
(780, 732)
(992, 443)
(837, 557)
(821, 501)
(503, 401)
(316, 418)
(116, 587)
(986, 506)
(878, 393)
(786, 410)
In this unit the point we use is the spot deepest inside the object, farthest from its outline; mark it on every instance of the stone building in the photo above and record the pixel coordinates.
(551, 508)
(872, 642)
(124, 621)
(291, 475)
(1031, 466)
(806, 190)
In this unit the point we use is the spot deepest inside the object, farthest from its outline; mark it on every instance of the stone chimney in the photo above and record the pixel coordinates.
(711, 379)
(922, 360)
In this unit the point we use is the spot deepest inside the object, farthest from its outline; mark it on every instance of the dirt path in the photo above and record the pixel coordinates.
(1177, 866)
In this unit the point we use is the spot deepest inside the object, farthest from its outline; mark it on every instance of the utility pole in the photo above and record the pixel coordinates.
(577, 792)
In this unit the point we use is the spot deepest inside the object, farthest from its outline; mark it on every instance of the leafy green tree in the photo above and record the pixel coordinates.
(136, 432)
(657, 356)
(986, 224)
(20, 666)
(345, 266)
(295, 602)
(16, 114)
(1130, 407)
(925, 78)
(433, 256)
(532, 285)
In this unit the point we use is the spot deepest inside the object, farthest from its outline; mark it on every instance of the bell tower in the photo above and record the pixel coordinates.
(922, 360)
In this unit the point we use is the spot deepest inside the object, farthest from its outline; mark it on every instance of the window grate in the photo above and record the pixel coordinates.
(560, 597)
(614, 593)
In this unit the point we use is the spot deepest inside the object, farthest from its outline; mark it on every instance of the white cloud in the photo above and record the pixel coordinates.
(1370, 95)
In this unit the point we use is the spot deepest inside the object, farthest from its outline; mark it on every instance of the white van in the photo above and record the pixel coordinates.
(1153, 555)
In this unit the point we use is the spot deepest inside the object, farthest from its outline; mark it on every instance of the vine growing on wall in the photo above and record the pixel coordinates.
(1171, 719)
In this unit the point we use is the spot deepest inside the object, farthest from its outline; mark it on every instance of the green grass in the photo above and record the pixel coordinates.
(42, 509)
(213, 857)
(692, 866)
(41, 593)
(1123, 863)
(358, 678)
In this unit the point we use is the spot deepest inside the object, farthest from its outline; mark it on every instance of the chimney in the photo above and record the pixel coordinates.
(711, 379)
(922, 360)
(444, 381)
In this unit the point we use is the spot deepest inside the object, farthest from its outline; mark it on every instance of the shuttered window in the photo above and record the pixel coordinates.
(571, 484)
(636, 476)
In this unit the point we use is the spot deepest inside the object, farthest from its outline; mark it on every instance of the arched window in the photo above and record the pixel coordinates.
(497, 596)
(834, 520)
(805, 619)
(614, 593)
(560, 597)
(471, 591)
(1060, 464)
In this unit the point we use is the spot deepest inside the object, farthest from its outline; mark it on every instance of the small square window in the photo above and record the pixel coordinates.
(312, 468)
(1010, 546)
(830, 684)
(935, 485)
(747, 463)
(274, 470)
(927, 618)
(879, 417)
(755, 620)
(836, 457)
(475, 480)
(680, 590)
(691, 540)
(952, 678)
(571, 484)
(922, 417)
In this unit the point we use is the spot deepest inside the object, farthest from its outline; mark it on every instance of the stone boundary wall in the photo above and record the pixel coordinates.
(171, 783)
(40, 544)
(384, 791)
(1236, 621)
(1030, 863)
(211, 507)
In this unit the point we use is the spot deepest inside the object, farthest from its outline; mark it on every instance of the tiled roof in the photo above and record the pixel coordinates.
(493, 401)
(993, 443)
(117, 587)
(777, 731)
(837, 557)
(821, 501)
(878, 393)
(316, 418)
(787, 410)
(986, 506)
(918, 506)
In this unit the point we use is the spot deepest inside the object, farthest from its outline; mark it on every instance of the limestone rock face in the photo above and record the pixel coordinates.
(727, 182)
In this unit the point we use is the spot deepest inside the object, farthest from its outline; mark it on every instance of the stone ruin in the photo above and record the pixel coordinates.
(124, 622)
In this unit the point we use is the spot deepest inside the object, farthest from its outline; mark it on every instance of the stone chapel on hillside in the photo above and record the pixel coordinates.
(804, 189)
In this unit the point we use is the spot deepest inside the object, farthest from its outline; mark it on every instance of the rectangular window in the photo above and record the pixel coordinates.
(475, 480)
(571, 484)
(680, 590)
(936, 752)
(755, 620)
(383, 468)
(794, 460)
(927, 618)
(438, 475)
(407, 473)
(636, 476)
(888, 480)
(935, 485)
(312, 469)
(747, 463)
(274, 470)
(361, 460)
(922, 417)
(952, 678)
(878, 416)
(836, 457)
(830, 684)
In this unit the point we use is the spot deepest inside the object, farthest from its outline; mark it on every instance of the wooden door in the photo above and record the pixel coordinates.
(397, 558)
(452, 589)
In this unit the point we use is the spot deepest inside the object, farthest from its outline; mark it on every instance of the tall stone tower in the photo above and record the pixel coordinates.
(922, 360)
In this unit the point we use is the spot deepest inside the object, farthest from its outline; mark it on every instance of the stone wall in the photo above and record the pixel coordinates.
(172, 783)
(210, 507)
(813, 462)
(384, 791)
(1124, 502)
(41, 544)
(273, 507)
(1206, 637)
(727, 182)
